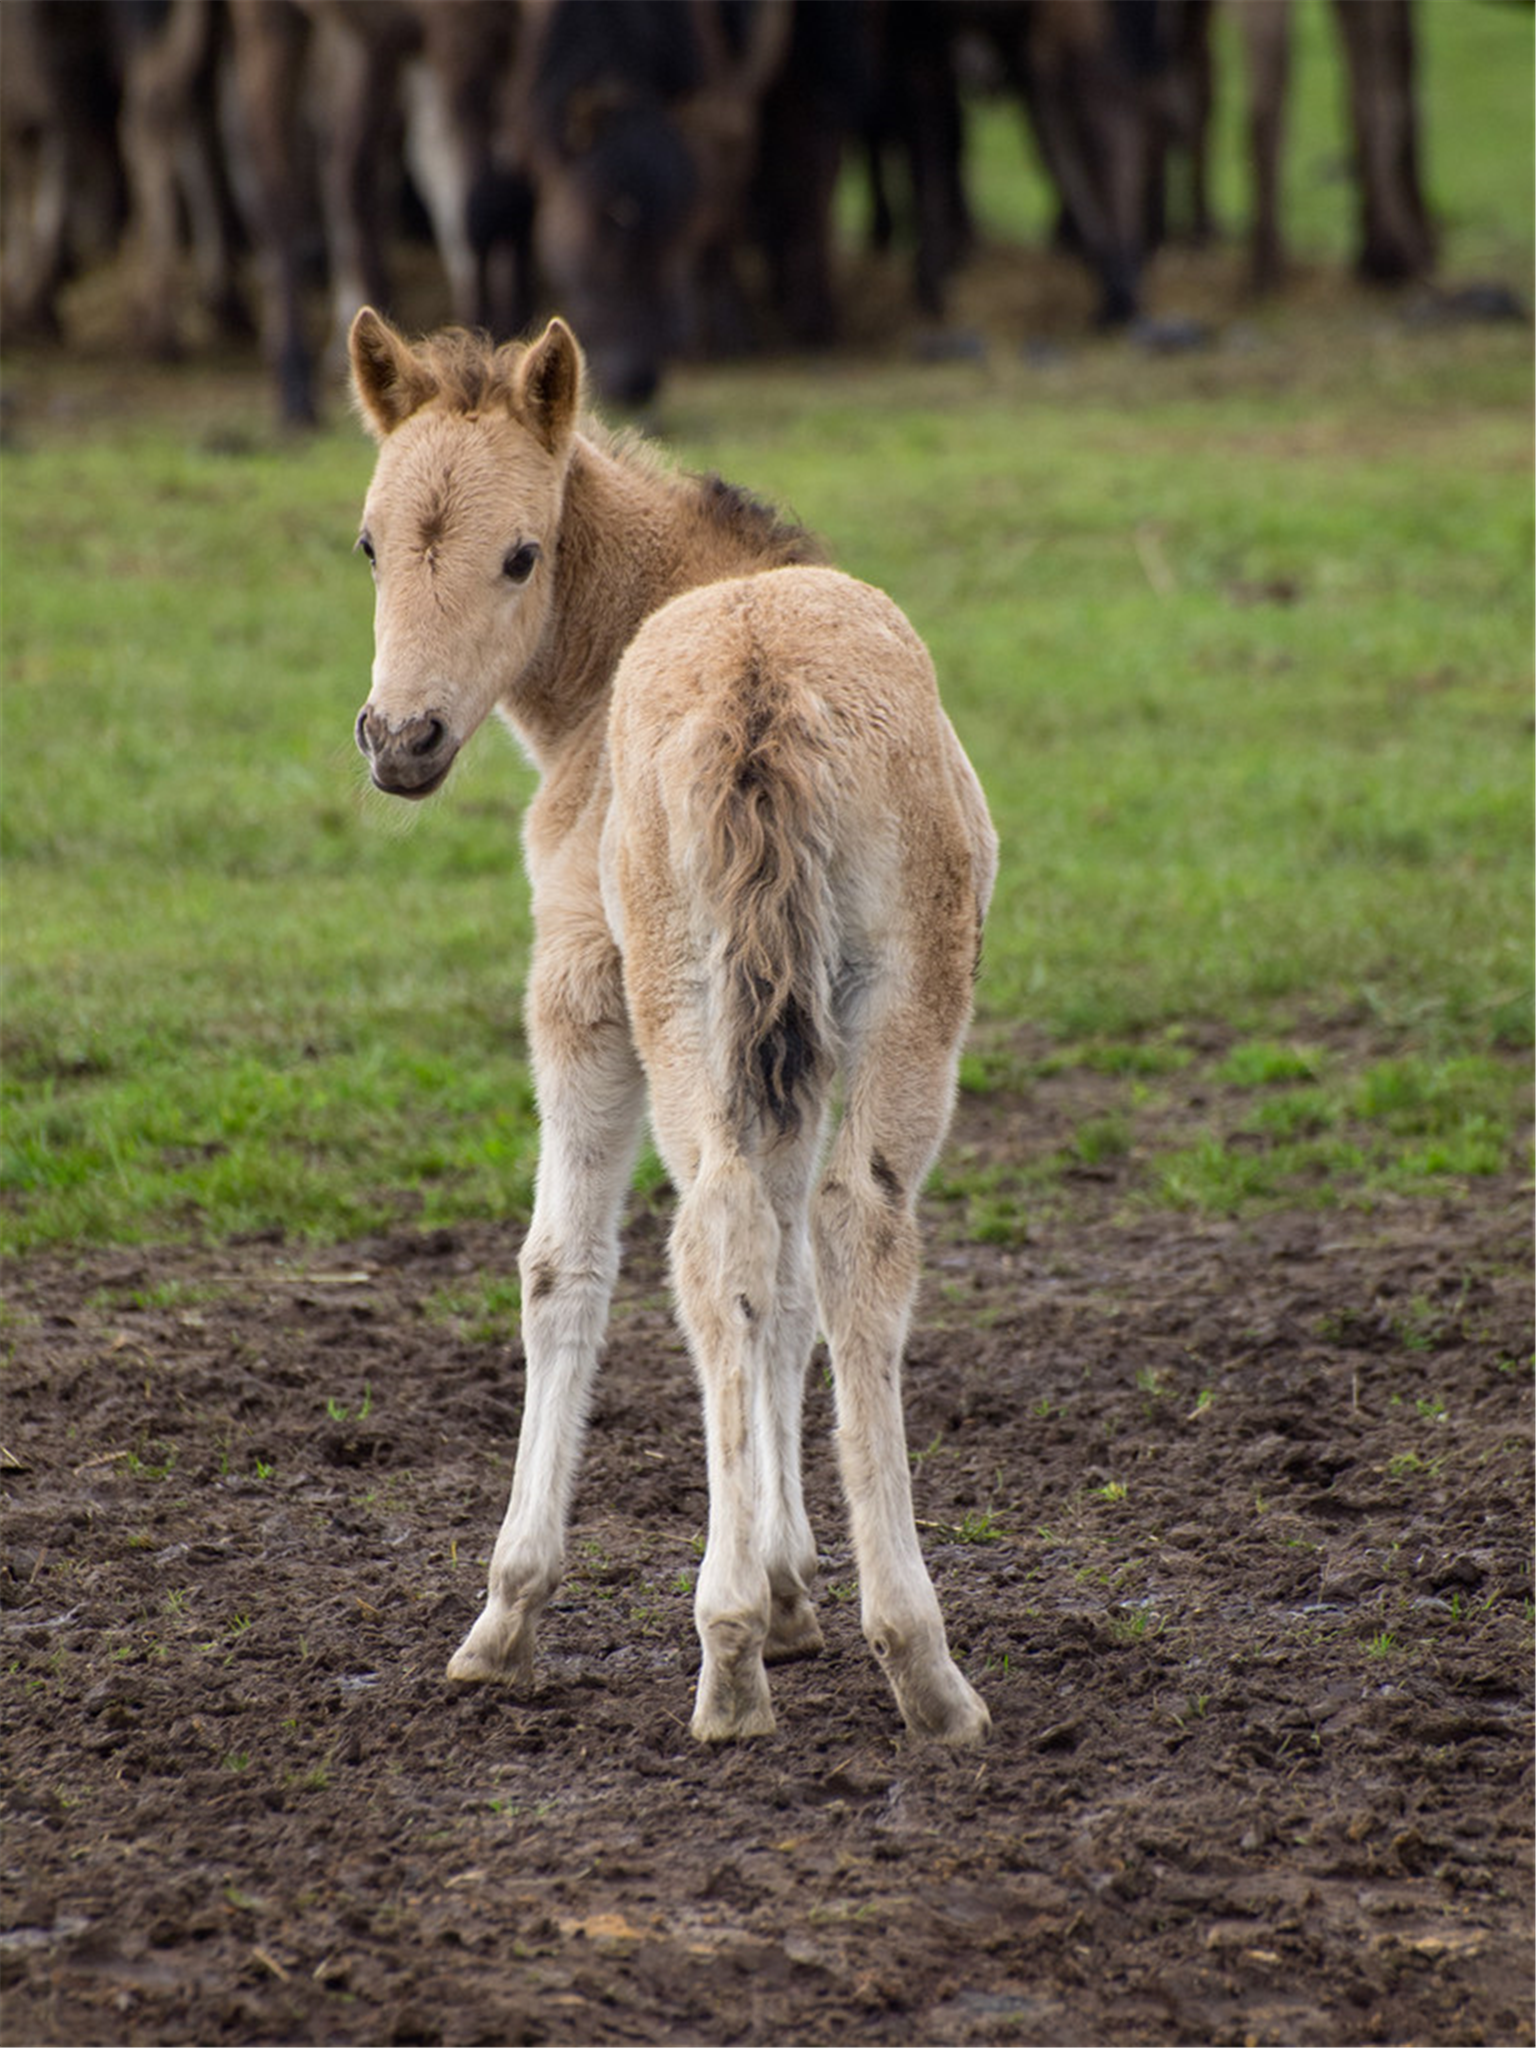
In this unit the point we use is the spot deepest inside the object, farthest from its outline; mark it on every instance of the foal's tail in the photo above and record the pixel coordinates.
(762, 816)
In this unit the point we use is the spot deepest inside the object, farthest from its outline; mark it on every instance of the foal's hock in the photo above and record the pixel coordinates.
(759, 858)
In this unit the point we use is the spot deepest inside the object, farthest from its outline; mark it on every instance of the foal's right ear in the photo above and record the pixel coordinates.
(549, 385)
(389, 382)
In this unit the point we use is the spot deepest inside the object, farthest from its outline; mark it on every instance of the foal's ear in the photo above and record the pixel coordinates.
(549, 385)
(389, 382)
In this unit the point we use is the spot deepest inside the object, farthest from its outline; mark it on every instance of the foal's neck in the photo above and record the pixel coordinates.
(631, 538)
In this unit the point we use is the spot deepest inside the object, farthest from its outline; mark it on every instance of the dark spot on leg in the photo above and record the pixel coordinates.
(543, 1281)
(747, 1311)
(885, 1177)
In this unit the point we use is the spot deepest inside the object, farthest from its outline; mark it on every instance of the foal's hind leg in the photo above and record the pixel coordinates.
(867, 1250)
(740, 1273)
(591, 1093)
(789, 1549)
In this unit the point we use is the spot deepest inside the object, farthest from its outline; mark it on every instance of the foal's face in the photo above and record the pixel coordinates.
(459, 526)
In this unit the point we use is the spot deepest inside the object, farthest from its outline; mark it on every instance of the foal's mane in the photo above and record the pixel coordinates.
(779, 542)
(733, 514)
(728, 510)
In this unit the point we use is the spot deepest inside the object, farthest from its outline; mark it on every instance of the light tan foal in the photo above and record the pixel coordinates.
(759, 860)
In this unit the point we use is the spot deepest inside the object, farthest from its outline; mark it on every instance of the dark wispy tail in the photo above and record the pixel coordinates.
(761, 811)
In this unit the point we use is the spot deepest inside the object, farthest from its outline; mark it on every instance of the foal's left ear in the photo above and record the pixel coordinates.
(388, 380)
(549, 385)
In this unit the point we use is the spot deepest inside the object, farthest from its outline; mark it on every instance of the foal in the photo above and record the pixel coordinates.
(758, 856)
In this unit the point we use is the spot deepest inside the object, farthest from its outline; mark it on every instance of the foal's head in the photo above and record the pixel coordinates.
(459, 525)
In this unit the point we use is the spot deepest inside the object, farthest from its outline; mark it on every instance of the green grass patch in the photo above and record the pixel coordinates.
(1404, 1126)
(991, 1201)
(1258, 1064)
(485, 1309)
(1283, 1124)
(1223, 1178)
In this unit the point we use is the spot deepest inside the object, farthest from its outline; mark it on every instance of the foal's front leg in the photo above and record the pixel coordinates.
(591, 1095)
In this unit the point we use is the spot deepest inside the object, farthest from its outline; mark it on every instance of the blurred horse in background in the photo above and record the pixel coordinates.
(662, 141)
(331, 101)
(109, 134)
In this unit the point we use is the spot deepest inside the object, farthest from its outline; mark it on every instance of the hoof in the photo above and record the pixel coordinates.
(713, 1726)
(733, 1701)
(935, 1698)
(466, 1668)
(966, 1729)
(494, 1653)
(953, 1713)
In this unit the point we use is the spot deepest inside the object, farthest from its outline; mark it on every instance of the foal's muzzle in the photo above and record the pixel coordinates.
(411, 759)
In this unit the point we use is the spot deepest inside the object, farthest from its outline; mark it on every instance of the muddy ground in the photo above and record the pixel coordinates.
(1231, 1521)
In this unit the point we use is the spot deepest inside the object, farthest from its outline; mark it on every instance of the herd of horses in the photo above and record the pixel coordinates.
(662, 171)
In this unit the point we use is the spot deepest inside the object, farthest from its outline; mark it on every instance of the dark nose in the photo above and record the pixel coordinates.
(409, 759)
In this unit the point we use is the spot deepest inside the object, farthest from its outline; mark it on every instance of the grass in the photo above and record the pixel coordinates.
(486, 1308)
(1287, 1125)
(1239, 642)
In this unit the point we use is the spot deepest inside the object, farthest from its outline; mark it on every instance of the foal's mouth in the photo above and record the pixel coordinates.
(386, 780)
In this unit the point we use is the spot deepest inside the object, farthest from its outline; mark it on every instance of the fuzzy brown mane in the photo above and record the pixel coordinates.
(756, 526)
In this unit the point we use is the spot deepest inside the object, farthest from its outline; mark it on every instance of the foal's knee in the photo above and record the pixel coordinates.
(564, 1286)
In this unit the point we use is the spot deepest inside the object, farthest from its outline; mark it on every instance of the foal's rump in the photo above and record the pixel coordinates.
(794, 832)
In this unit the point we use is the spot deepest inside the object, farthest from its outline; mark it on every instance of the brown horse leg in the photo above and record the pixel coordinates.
(1395, 238)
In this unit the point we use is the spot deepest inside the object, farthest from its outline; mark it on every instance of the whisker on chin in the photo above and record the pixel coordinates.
(389, 816)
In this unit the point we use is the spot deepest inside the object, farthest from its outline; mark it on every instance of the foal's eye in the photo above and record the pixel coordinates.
(365, 547)
(518, 566)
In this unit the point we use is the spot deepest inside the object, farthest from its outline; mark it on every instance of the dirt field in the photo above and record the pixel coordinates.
(1232, 1527)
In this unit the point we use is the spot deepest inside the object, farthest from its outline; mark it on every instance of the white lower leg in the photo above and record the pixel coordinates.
(866, 1273)
(724, 1258)
(562, 1330)
(899, 1608)
(591, 1109)
(788, 1546)
(732, 1602)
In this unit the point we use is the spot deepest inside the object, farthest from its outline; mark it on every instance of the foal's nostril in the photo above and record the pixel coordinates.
(429, 739)
(360, 731)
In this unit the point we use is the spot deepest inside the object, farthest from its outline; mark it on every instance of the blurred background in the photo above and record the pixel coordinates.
(713, 179)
